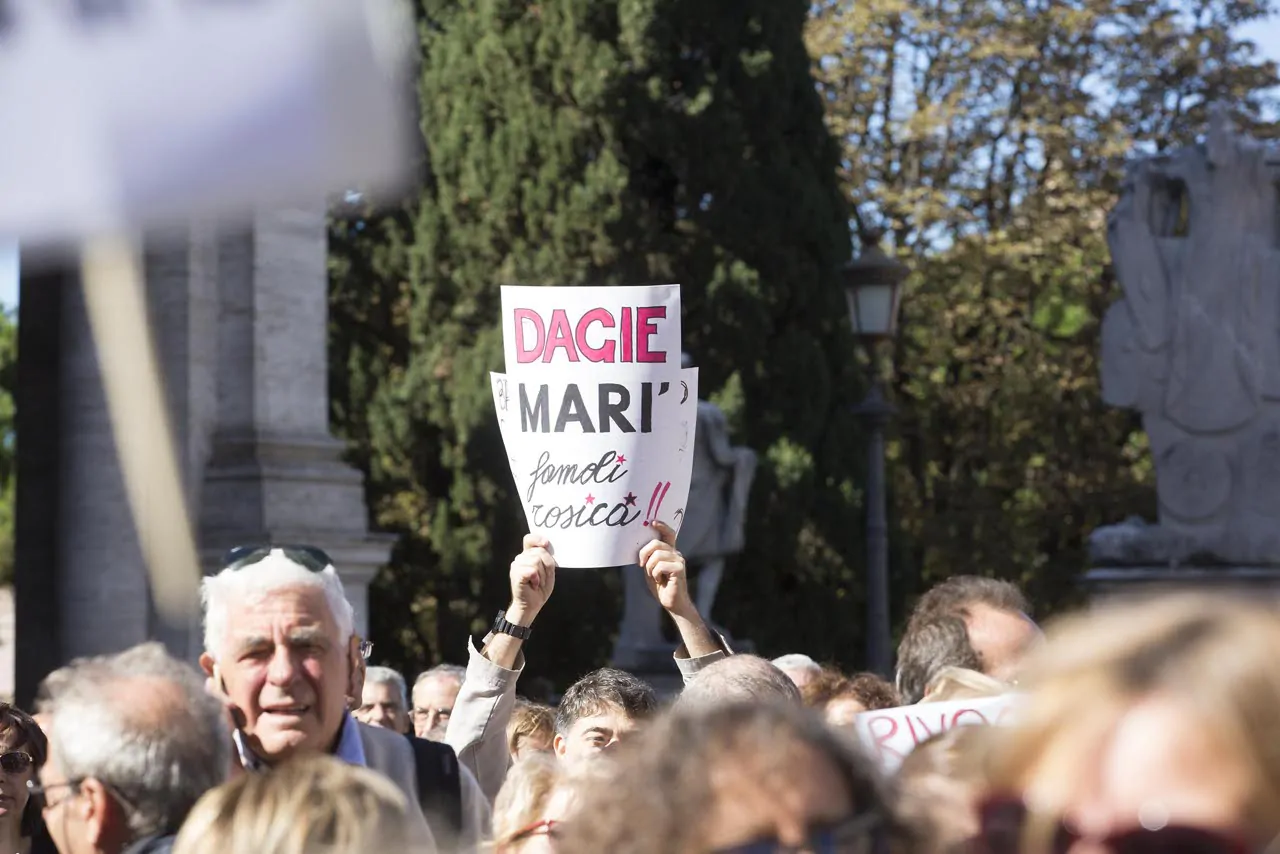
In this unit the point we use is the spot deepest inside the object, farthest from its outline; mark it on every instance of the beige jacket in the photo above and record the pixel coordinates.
(390, 754)
(478, 725)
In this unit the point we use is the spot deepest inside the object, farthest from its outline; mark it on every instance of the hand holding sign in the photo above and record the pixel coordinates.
(533, 577)
(665, 571)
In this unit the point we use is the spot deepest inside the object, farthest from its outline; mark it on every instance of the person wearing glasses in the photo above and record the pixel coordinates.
(741, 778)
(134, 741)
(23, 748)
(1147, 727)
(281, 648)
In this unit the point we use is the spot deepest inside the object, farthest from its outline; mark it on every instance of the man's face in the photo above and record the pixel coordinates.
(433, 701)
(1001, 639)
(285, 667)
(381, 705)
(594, 734)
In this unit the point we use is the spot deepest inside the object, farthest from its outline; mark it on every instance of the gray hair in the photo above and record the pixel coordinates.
(446, 671)
(797, 661)
(739, 678)
(274, 572)
(387, 676)
(141, 723)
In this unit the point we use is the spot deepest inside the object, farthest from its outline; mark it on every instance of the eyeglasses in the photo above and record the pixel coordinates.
(309, 557)
(15, 762)
(1004, 822)
(859, 834)
(545, 827)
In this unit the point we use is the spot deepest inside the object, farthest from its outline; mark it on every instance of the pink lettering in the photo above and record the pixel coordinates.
(646, 326)
(626, 334)
(525, 354)
(881, 738)
(559, 336)
(927, 732)
(955, 719)
(595, 354)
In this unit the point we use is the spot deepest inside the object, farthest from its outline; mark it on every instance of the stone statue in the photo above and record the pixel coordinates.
(1194, 345)
(715, 520)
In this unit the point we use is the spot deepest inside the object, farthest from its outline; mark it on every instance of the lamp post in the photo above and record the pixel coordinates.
(872, 286)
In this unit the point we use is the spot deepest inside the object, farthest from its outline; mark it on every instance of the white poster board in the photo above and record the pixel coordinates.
(120, 114)
(890, 734)
(597, 416)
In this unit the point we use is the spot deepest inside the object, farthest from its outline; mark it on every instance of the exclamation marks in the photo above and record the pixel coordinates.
(655, 502)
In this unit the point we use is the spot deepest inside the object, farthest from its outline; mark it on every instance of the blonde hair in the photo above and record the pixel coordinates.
(961, 683)
(530, 720)
(523, 796)
(312, 805)
(1213, 655)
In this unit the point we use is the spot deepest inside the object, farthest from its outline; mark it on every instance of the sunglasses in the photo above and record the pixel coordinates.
(309, 557)
(15, 762)
(859, 834)
(1004, 822)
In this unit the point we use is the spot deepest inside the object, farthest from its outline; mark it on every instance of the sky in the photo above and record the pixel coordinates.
(1266, 34)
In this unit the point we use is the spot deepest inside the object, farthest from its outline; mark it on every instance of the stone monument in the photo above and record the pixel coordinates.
(713, 529)
(1194, 346)
(239, 323)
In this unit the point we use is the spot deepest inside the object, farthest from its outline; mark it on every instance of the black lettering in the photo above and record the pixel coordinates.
(611, 410)
(548, 521)
(622, 520)
(646, 407)
(573, 518)
(538, 415)
(573, 409)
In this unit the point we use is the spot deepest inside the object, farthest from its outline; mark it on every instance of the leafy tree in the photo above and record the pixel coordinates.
(8, 463)
(599, 142)
(990, 137)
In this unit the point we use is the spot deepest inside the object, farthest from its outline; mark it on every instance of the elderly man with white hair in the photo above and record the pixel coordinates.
(800, 668)
(280, 645)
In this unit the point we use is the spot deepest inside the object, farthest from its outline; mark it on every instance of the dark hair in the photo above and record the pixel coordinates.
(959, 592)
(928, 646)
(604, 689)
(19, 728)
(658, 785)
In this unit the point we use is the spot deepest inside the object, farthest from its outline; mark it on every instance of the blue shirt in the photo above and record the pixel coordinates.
(350, 748)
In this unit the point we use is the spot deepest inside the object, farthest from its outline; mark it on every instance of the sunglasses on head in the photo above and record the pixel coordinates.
(309, 557)
(15, 762)
(1004, 822)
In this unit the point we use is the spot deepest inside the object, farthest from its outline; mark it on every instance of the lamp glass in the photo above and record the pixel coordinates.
(873, 308)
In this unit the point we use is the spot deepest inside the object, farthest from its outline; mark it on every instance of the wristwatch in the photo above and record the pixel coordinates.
(506, 627)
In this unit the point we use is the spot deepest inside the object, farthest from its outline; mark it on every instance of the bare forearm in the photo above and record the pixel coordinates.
(697, 638)
(503, 649)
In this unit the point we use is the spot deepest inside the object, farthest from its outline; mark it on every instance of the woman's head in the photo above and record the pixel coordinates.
(709, 779)
(23, 748)
(522, 801)
(940, 784)
(842, 698)
(307, 805)
(531, 729)
(1156, 714)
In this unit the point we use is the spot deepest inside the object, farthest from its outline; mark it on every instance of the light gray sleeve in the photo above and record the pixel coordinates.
(691, 667)
(478, 726)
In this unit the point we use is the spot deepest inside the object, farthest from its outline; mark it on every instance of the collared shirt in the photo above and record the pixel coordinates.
(350, 748)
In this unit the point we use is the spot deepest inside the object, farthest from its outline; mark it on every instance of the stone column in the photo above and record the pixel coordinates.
(275, 473)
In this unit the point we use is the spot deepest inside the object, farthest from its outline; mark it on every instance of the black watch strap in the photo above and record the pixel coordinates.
(504, 626)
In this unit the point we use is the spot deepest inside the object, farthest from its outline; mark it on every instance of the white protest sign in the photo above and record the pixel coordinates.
(119, 114)
(597, 416)
(890, 734)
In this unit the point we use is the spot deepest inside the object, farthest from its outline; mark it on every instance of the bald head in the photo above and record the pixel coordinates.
(739, 678)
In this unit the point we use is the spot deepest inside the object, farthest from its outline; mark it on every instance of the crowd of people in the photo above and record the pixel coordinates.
(1141, 726)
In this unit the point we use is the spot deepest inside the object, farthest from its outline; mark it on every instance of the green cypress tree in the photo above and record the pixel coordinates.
(604, 142)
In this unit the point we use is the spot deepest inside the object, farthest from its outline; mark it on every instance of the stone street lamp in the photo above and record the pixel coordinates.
(873, 288)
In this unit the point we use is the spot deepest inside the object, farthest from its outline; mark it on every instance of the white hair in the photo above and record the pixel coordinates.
(455, 672)
(142, 723)
(797, 661)
(274, 572)
(387, 676)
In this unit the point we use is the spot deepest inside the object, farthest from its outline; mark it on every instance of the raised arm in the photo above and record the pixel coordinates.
(478, 726)
(667, 575)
